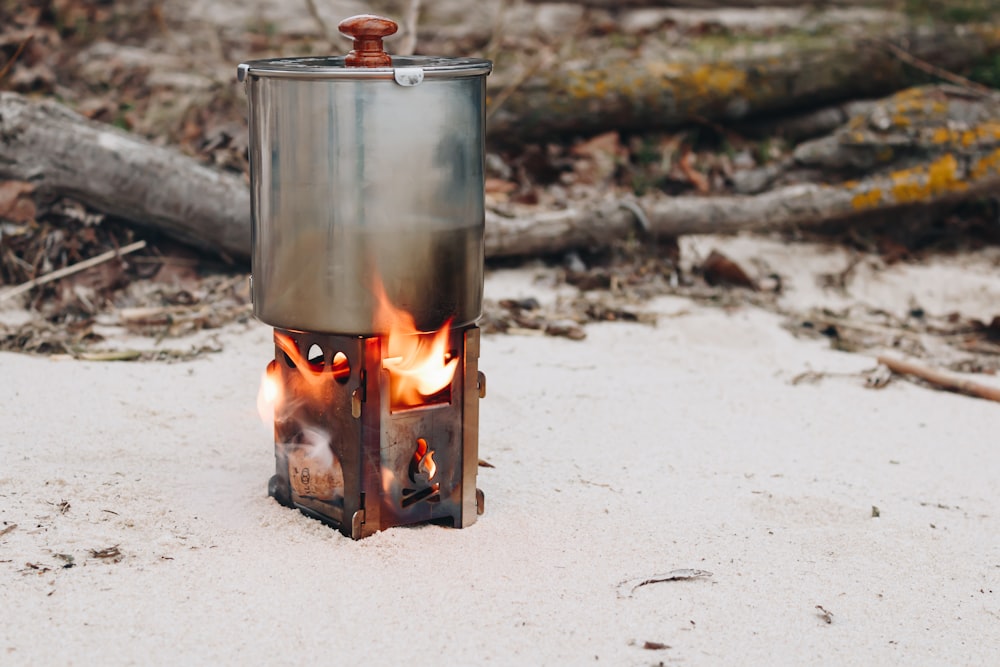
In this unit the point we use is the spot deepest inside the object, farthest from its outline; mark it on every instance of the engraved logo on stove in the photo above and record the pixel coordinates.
(314, 471)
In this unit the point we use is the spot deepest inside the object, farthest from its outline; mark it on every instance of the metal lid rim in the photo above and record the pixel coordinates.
(301, 68)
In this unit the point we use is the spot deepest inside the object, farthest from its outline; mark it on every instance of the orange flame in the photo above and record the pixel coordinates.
(424, 459)
(313, 377)
(417, 362)
(272, 403)
(269, 395)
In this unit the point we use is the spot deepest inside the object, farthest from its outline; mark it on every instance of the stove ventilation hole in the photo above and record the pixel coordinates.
(341, 368)
(421, 470)
(315, 357)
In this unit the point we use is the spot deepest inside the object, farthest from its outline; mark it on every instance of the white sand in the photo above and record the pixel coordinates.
(636, 452)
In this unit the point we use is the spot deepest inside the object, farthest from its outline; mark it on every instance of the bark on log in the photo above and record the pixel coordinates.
(717, 4)
(922, 146)
(655, 84)
(63, 154)
(554, 232)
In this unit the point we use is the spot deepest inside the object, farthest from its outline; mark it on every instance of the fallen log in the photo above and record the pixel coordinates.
(923, 146)
(65, 155)
(162, 190)
(655, 81)
(797, 205)
(721, 4)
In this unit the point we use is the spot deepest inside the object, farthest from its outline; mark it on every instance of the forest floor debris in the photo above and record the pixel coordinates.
(630, 586)
(129, 74)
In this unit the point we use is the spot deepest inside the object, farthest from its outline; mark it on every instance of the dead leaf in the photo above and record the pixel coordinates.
(696, 178)
(529, 303)
(892, 252)
(483, 463)
(655, 646)
(8, 529)
(599, 158)
(500, 186)
(16, 204)
(565, 329)
(717, 269)
(608, 142)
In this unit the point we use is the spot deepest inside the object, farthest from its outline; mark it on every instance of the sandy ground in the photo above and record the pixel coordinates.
(639, 451)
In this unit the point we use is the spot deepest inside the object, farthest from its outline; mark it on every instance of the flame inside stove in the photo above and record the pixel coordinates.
(423, 459)
(418, 363)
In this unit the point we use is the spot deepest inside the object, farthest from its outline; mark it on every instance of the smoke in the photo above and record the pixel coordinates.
(313, 469)
(315, 443)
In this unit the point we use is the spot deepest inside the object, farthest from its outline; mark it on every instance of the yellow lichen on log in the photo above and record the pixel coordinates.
(695, 84)
(985, 133)
(718, 79)
(868, 199)
(927, 181)
(987, 165)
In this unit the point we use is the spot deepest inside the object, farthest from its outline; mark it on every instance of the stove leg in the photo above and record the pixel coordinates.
(278, 489)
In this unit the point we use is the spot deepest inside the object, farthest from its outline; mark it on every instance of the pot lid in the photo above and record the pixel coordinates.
(367, 60)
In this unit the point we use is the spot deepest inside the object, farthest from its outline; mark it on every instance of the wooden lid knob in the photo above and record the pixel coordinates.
(367, 30)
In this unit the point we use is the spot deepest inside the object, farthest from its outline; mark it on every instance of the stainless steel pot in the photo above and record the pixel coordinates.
(363, 175)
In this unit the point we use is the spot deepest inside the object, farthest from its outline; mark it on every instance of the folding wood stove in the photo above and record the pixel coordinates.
(368, 220)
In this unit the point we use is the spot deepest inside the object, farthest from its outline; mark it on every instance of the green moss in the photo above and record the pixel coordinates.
(120, 120)
(648, 153)
(953, 11)
(987, 72)
(723, 42)
(642, 183)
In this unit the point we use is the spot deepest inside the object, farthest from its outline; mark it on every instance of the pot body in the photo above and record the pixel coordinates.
(364, 179)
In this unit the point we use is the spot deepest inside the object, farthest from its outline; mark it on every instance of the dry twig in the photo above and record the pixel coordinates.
(73, 268)
(541, 62)
(940, 73)
(17, 54)
(626, 588)
(496, 31)
(324, 29)
(112, 552)
(408, 44)
(942, 380)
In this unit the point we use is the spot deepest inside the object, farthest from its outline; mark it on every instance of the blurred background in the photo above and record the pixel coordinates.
(635, 149)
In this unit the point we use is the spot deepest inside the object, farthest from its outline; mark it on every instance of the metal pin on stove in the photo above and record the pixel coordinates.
(356, 403)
